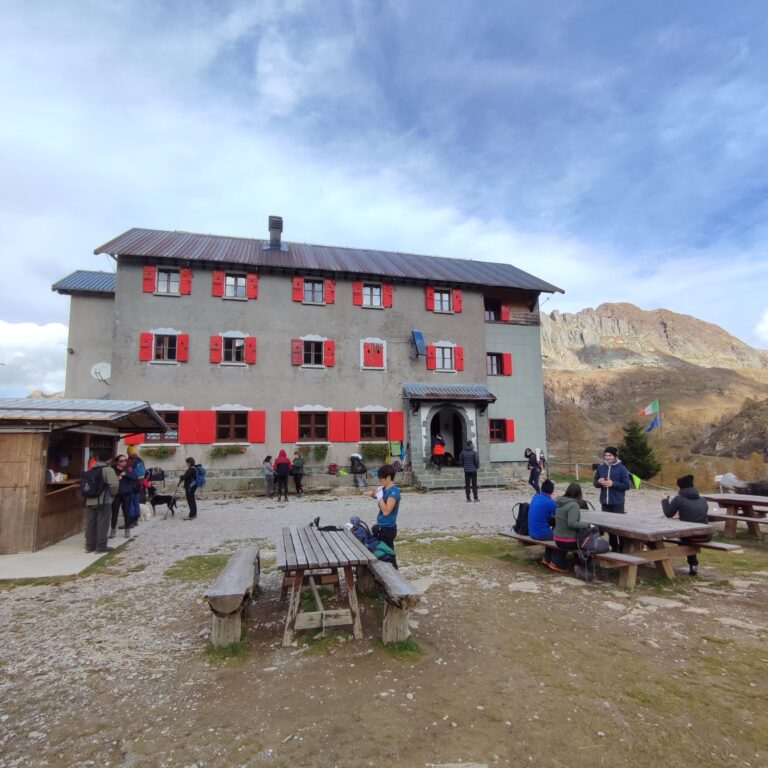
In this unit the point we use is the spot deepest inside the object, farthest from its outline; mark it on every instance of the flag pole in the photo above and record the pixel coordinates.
(661, 421)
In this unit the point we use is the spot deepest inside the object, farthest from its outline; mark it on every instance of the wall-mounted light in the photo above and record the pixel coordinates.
(70, 351)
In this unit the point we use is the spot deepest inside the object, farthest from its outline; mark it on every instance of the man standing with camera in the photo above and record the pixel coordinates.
(612, 478)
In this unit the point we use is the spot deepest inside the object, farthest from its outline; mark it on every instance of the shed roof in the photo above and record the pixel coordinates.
(472, 392)
(84, 281)
(124, 415)
(189, 246)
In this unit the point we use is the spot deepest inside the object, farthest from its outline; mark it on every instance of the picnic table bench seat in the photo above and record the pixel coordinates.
(231, 594)
(717, 546)
(401, 597)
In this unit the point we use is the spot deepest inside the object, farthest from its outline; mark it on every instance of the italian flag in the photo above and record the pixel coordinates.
(649, 410)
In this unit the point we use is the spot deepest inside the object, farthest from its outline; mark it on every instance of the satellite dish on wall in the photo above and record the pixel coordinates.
(101, 372)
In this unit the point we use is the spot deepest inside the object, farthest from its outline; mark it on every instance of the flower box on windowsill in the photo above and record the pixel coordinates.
(222, 451)
(157, 452)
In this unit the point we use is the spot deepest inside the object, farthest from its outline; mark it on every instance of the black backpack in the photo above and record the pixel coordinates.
(592, 543)
(92, 483)
(521, 518)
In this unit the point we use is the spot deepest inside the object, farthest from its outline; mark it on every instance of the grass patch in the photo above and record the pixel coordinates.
(226, 653)
(6, 585)
(307, 599)
(403, 650)
(319, 643)
(456, 547)
(197, 567)
(137, 568)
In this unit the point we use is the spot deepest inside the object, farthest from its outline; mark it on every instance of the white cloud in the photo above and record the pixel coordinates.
(761, 330)
(32, 357)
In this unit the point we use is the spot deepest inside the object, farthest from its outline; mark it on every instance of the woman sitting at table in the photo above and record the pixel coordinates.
(568, 523)
(691, 508)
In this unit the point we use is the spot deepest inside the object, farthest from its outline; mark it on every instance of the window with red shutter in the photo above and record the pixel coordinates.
(506, 312)
(457, 300)
(150, 277)
(329, 354)
(431, 357)
(458, 358)
(185, 282)
(216, 344)
(389, 290)
(506, 364)
(217, 283)
(297, 351)
(257, 427)
(357, 293)
(298, 289)
(146, 346)
(252, 291)
(397, 426)
(330, 291)
(367, 354)
(182, 348)
(510, 430)
(250, 350)
(429, 295)
(289, 427)
(351, 427)
(135, 439)
(336, 427)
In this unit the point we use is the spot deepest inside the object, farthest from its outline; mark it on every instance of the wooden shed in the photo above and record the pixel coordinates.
(44, 446)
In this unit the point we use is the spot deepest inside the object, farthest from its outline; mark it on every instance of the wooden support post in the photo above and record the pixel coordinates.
(395, 627)
(357, 629)
(293, 608)
(365, 580)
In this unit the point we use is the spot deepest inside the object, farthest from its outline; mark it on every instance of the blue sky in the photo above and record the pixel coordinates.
(618, 150)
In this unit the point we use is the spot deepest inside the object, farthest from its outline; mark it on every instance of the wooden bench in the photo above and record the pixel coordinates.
(607, 559)
(717, 546)
(402, 596)
(230, 596)
(753, 523)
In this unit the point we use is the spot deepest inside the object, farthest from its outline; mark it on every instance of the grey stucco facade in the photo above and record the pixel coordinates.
(91, 319)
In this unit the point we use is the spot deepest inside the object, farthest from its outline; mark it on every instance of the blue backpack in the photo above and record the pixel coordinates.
(201, 472)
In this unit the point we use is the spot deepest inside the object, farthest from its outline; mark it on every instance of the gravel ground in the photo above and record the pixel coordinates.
(85, 659)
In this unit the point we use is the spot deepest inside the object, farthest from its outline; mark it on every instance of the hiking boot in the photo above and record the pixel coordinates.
(106, 549)
(557, 568)
(582, 573)
(693, 571)
(113, 533)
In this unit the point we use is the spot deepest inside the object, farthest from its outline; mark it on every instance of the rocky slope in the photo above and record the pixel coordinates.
(624, 336)
(744, 434)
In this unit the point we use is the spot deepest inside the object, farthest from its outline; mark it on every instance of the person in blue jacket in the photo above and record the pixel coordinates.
(542, 510)
(387, 497)
(612, 478)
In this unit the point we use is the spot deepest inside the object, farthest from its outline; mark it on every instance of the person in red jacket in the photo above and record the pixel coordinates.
(283, 469)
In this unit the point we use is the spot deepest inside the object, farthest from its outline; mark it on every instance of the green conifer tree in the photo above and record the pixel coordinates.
(637, 454)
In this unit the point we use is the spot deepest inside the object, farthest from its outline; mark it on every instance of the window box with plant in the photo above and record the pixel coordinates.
(221, 451)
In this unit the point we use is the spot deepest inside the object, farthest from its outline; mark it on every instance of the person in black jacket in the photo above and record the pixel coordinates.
(533, 468)
(189, 478)
(470, 462)
(691, 508)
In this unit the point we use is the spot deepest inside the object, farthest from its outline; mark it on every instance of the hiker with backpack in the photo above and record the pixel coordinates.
(358, 469)
(189, 478)
(533, 469)
(541, 515)
(136, 470)
(387, 497)
(98, 485)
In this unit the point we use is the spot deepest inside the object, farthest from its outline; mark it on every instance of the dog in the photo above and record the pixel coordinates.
(158, 500)
(145, 511)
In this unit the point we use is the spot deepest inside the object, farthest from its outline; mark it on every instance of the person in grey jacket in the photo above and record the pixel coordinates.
(690, 508)
(470, 462)
(98, 510)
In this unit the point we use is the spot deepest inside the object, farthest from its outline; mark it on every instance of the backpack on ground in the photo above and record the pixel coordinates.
(521, 518)
(333, 469)
(156, 475)
(201, 472)
(92, 483)
(591, 543)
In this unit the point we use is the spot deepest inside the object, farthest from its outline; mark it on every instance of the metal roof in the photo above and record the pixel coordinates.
(87, 282)
(188, 246)
(476, 392)
(124, 415)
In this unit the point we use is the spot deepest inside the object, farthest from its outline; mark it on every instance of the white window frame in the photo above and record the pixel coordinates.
(168, 281)
(321, 282)
(372, 340)
(313, 337)
(236, 276)
(449, 300)
(368, 289)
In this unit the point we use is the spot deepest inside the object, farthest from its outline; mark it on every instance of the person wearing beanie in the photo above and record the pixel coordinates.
(470, 462)
(612, 478)
(540, 513)
(690, 508)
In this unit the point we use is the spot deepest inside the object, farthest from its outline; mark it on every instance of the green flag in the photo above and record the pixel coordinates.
(650, 409)
(636, 481)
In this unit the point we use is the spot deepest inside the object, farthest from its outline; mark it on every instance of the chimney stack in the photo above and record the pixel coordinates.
(275, 231)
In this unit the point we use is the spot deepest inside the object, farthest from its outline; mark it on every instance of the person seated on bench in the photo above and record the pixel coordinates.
(691, 508)
(568, 523)
(541, 511)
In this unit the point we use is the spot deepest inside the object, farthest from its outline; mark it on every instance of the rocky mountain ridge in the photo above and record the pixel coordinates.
(621, 335)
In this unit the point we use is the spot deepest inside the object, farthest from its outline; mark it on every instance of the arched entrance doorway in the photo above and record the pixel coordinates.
(451, 424)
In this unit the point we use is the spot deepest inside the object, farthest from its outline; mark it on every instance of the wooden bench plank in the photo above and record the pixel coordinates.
(322, 542)
(314, 558)
(717, 546)
(717, 516)
(301, 556)
(617, 557)
(291, 561)
(235, 582)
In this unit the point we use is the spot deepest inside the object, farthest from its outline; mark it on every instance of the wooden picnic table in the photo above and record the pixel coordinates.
(740, 506)
(648, 538)
(309, 556)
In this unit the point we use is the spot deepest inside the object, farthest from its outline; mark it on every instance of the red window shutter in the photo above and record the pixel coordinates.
(146, 346)
(510, 430)
(185, 282)
(188, 426)
(378, 355)
(216, 346)
(458, 358)
(250, 350)
(367, 354)
(506, 312)
(352, 427)
(133, 439)
(298, 289)
(289, 426)
(329, 291)
(506, 364)
(431, 358)
(388, 294)
(397, 426)
(457, 300)
(182, 347)
(206, 427)
(257, 427)
(357, 293)
(297, 351)
(336, 426)
(329, 353)
(150, 279)
(429, 295)
(252, 286)
(217, 283)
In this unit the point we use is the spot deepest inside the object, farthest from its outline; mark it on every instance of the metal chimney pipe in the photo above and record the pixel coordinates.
(275, 231)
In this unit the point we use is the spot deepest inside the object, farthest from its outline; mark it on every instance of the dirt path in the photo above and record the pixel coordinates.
(519, 666)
